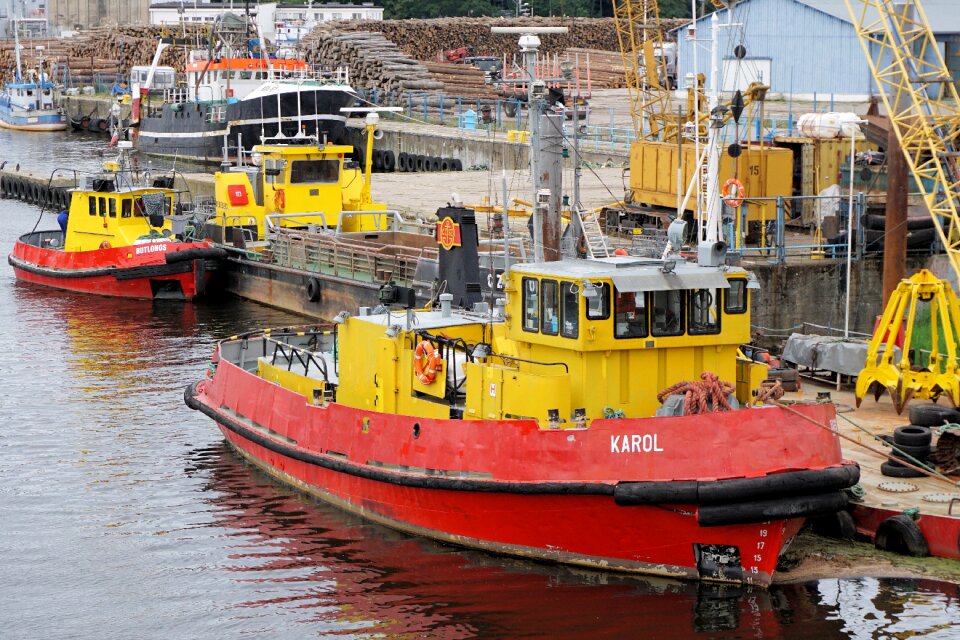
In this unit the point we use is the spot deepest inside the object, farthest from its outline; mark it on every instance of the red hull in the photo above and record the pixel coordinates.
(941, 533)
(178, 270)
(482, 484)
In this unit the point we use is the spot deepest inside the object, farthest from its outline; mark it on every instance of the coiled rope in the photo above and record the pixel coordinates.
(708, 395)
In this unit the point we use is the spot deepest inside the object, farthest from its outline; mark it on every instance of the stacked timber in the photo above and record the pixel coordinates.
(374, 61)
(604, 68)
(425, 39)
(102, 50)
(461, 80)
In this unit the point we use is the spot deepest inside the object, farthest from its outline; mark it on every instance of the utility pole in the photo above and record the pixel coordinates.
(529, 45)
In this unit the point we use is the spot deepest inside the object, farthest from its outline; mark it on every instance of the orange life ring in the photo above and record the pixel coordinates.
(427, 362)
(733, 192)
(279, 199)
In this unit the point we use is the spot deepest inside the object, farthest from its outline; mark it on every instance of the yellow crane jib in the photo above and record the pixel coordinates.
(922, 377)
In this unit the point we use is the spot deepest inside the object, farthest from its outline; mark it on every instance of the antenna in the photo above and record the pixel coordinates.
(529, 45)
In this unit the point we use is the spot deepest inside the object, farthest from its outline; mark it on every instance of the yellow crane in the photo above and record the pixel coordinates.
(922, 103)
(662, 145)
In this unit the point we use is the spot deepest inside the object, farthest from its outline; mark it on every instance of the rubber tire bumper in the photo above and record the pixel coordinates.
(932, 415)
(900, 534)
(896, 470)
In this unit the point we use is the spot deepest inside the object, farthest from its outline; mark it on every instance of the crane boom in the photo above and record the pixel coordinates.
(921, 100)
(639, 35)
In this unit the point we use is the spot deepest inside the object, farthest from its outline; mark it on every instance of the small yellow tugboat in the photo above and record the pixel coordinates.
(536, 429)
(117, 239)
(304, 234)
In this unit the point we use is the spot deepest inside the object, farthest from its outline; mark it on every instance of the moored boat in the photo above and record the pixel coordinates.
(32, 101)
(536, 430)
(117, 239)
(235, 94)
(303, 233)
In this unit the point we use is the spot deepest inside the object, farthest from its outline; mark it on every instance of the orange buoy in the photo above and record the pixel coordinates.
(733, 192)
(426, 362)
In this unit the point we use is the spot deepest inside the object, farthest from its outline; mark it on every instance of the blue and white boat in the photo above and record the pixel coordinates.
(31, 103)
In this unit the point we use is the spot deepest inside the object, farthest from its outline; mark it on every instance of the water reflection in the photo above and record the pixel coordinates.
(338, 572)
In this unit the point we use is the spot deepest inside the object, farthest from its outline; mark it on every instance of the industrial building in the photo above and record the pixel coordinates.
(280, 22)
(801, 47)
(71, 15)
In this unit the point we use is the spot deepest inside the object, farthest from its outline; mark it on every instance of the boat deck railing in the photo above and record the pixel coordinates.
(324, 252)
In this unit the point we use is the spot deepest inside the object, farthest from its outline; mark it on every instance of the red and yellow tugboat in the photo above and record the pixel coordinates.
(536, 429)
(117, 240)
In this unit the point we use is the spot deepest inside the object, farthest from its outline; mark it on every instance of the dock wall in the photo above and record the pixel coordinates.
(815, 292)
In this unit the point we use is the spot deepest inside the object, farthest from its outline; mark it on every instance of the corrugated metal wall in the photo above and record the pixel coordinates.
(71, 14)
(809, 51)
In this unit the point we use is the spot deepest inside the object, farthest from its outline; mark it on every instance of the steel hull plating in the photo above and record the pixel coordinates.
(513, 488)
(288, 289)
(116, 272)
(197, 130)
(52, 120)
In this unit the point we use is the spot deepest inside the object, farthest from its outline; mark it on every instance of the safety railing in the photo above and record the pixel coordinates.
(597, 129)
(818, 227)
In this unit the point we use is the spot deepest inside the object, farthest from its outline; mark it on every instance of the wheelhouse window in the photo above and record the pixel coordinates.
(550, 308)
(569, 310)
(126, 208)
(598, 301)
(102, 207)
(113, 207)
(273, 171)
(630, 314)
(314, 171)
(704, 311)
(531, 304)
(735, 298)
(92, 201)
(667, 312)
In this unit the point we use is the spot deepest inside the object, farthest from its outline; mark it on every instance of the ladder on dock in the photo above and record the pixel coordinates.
(593, 234)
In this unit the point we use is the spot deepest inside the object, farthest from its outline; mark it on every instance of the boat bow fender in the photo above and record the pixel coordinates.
(196, 253)
(737, 490)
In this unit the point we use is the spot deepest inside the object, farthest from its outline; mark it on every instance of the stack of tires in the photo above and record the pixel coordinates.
(912, 442)
(411, 163)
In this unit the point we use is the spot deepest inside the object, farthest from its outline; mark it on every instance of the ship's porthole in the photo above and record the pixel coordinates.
(416, 429)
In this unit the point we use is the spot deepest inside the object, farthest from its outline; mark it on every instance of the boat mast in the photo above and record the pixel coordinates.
(529, 45)
(713, 231)
(16, 47)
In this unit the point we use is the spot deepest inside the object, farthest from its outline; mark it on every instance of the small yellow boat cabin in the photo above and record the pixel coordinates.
(574, 341)
(297, 183)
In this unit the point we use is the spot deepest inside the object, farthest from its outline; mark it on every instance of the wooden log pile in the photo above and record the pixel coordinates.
(461, 80)
(424, 39)
(605, 67)
(374, 61)
(102, 50)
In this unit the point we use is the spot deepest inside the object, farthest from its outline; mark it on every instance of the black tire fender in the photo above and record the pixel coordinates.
(919, 451)
(896, 470)
(900, 534)
(402, 161)
(838, 525)
(313, 290)
(195, 253)
(434, 163)
(418, 163)
(932, 415)
(445, 164)
(912, 436)
(457, 164)
(389, 160)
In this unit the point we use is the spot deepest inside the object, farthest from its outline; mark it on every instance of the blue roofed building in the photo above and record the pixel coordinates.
(801, 46)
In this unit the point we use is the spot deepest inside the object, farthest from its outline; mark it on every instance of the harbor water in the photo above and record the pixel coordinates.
(124, 515)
